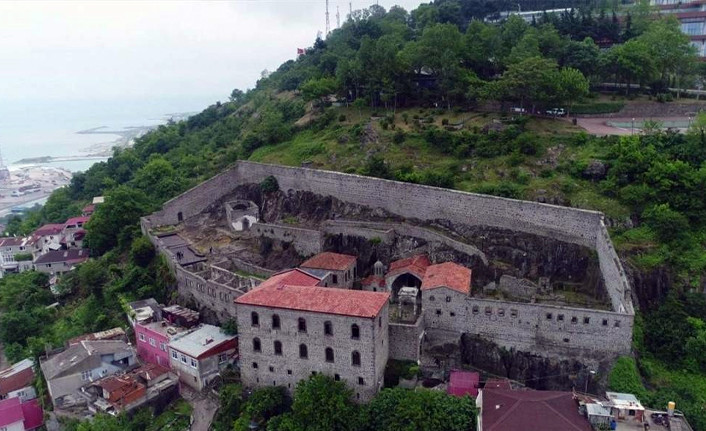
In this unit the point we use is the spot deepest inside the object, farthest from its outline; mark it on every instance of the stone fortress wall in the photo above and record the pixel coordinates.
(413, 201)
(305, 241)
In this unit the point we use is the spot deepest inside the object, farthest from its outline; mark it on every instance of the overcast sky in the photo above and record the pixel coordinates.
(130, 49)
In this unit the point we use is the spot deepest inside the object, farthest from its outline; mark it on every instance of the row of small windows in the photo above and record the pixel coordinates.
(304, 351)
(301, 325)
(336, 377)
(549, 316)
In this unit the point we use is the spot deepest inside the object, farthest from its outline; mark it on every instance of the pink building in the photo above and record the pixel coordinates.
(153, 340)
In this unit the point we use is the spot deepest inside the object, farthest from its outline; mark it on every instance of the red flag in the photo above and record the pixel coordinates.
(300, 51)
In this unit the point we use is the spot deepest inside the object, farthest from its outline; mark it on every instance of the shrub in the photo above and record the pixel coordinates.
(445, 122)
(22, 257)
(405, 117)
(598, 108)
(667, 223)
(342, 118)
(269, 185)
(398, 137)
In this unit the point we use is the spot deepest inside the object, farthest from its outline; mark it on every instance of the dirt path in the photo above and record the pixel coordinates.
(600, 127)
(204, 407)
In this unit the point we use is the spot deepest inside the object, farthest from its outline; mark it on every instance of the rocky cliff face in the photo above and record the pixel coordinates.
(534, 371)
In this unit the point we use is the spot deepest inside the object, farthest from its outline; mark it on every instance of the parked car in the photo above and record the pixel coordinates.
(17, 193)
(556, 112)
(518, 110)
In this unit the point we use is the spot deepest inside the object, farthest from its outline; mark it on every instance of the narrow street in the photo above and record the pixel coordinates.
(204, 405)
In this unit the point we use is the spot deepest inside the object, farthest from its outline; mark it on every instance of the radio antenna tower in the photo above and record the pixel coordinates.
(350, 7)
(338, 18)
(328, 23)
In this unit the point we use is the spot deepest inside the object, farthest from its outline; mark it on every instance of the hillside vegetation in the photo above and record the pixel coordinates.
(416, 97)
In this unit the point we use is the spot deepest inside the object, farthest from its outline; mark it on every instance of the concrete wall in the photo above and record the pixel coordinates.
(288, 368)
(616, 282)
(549, 329)
(405, 339)
(305, 241)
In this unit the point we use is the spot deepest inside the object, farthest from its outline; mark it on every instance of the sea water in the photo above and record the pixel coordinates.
(38, 128)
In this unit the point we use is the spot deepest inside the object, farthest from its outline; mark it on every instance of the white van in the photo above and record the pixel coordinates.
(17, 193)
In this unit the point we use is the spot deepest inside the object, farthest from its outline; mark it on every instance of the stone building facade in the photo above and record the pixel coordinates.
(343, 334)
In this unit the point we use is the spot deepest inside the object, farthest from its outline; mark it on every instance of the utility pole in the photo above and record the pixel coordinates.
(338, 18)
(328, 23)
(350, 8)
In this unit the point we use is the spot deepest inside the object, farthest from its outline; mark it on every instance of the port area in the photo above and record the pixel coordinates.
(22, 188)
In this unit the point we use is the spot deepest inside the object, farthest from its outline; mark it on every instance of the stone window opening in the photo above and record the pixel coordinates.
(488, 311)
(337, 377)
(475, 309)
(617, 324)
(303, 351)
(302, 324)
(355, 332)
(380, 322)
(361, 381)
(276, 324)
(448, 299)
(256, 346)
(549, 316)
(438, 312)
(278, 348)
(272, 369)
(254, 319)
(355, 359)
(574, 319)
(566, 340)
(289, 372)
(560, 317)
(180, 217)
(431, 298)
(452, 314)
(586, 320)
(501, 312)
(605, 322)
(329, 355)
(334, 279)
(328, 328)
(254, 365)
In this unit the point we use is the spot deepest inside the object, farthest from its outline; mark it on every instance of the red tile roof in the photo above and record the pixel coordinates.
(373, 280)
(463, 383)
(49, 229)
(448, 274)
(505, 410)
(344, 302)
(417, 265)
(294, 277)
(330, 261)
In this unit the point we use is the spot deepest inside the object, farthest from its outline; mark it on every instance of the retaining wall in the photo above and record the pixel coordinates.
(305, 241)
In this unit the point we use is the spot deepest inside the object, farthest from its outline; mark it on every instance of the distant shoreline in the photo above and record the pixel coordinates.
(51, 159)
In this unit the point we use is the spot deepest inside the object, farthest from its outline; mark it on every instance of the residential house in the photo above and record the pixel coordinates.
(55, 262)
(149, 385)
(110, 334)
(198, 356)
(49, 237)
(66, 372)
(152, 340)
(74, 232)
(333, 269)
(144, 311)
(16, 415)
(16, 381)
(11, 248)
(522, 410)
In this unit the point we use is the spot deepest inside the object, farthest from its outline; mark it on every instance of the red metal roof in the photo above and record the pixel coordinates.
(417, 265)
(505, 410)
(49, 229)
(463, 383)
(77, 220)
(315, 299)
(11, 380)
(10, 412)
(497, 384)
(448, 274)
(33, 414)
(330, 261)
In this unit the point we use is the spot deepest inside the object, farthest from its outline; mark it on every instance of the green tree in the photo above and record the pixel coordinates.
(319, 89)
(322, 404)
(401, 409)
(142, 251)
(670, 49)
(115, 222)
(531, 81)
(571, 86)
